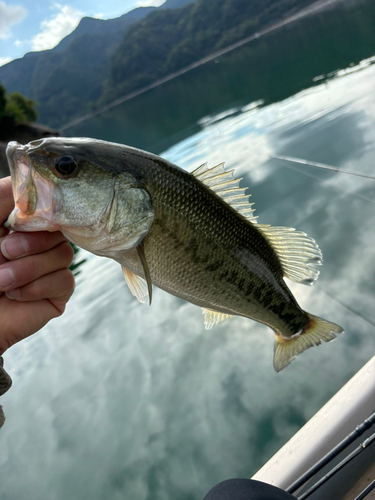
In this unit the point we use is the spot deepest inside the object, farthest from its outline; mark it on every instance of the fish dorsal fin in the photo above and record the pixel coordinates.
(213, 318)
(295, 249)
(224, 184)
(137, 285)
(296, 252)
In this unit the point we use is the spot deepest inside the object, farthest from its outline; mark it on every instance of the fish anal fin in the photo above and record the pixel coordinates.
(315, 332)
(136, 284)
(213, 318)
(296, 252)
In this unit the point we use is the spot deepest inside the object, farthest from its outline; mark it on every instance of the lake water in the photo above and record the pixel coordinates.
(118, 400)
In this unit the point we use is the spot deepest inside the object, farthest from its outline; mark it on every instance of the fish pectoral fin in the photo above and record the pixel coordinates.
(146, 270)
(316, 331)
(296, 252)
(136, 284)
(213, 318)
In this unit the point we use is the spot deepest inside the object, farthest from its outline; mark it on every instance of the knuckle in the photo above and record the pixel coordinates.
(59, 306)
(69, 251)
(65, 252)
(31, 291)
(68, 283)
(43, 241)
(36, 289)
(70, 279)
(59, 284)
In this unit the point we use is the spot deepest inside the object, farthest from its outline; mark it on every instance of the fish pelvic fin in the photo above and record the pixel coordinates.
(213, 318)
(137, 285)
(316, 331)
(297, 252)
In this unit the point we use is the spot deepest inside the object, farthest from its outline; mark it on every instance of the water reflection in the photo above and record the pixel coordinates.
(119, 400)
(269, 69)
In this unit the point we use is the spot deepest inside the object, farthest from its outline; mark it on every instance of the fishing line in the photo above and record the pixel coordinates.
(321, 165)
(286, 158)
(346, 306)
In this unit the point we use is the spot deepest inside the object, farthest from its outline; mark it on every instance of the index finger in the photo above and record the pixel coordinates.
(6, 199)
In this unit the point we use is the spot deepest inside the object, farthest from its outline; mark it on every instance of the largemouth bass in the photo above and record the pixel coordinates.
(193, 235)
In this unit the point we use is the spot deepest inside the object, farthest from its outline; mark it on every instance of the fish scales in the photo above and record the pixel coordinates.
(193, 235)
(200, 249)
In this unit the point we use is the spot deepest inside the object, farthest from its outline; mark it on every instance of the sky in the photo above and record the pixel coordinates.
(33, 25)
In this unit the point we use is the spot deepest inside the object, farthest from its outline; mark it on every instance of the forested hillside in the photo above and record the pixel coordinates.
(103, 60)
(15, 109)
(66, 79)
(166, 41)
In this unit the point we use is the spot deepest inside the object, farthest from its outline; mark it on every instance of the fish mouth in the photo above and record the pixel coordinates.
(34, 196)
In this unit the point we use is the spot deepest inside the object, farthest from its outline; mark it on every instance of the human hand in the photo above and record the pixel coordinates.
(35, 282)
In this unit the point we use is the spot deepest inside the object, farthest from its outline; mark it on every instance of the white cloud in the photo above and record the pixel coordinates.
(4, 60)
(9, 15)
(57, 27)
(150, 3)
(20, 43)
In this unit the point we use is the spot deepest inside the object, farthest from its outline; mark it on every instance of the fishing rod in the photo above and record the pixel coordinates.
(366, 491)
(322, 166)
(338, 467)
(358, 431)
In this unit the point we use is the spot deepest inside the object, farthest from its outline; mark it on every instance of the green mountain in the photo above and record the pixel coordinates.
(103, 60)
(72, 72)
(66, 79)
(167, 41)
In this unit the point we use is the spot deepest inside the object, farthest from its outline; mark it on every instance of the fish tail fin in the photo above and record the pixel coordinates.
(316, 331)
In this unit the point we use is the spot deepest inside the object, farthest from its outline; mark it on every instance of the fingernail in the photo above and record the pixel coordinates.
(14, 246)
(13, 294)
(6, 278)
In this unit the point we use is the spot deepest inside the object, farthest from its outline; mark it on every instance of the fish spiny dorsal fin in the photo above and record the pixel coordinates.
(199, 170)
(295, 249)
(213, 318)
(137, 285)
(224, 184)
(296, 252)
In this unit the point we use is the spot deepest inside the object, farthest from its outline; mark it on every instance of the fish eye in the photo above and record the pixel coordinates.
(65, 165)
